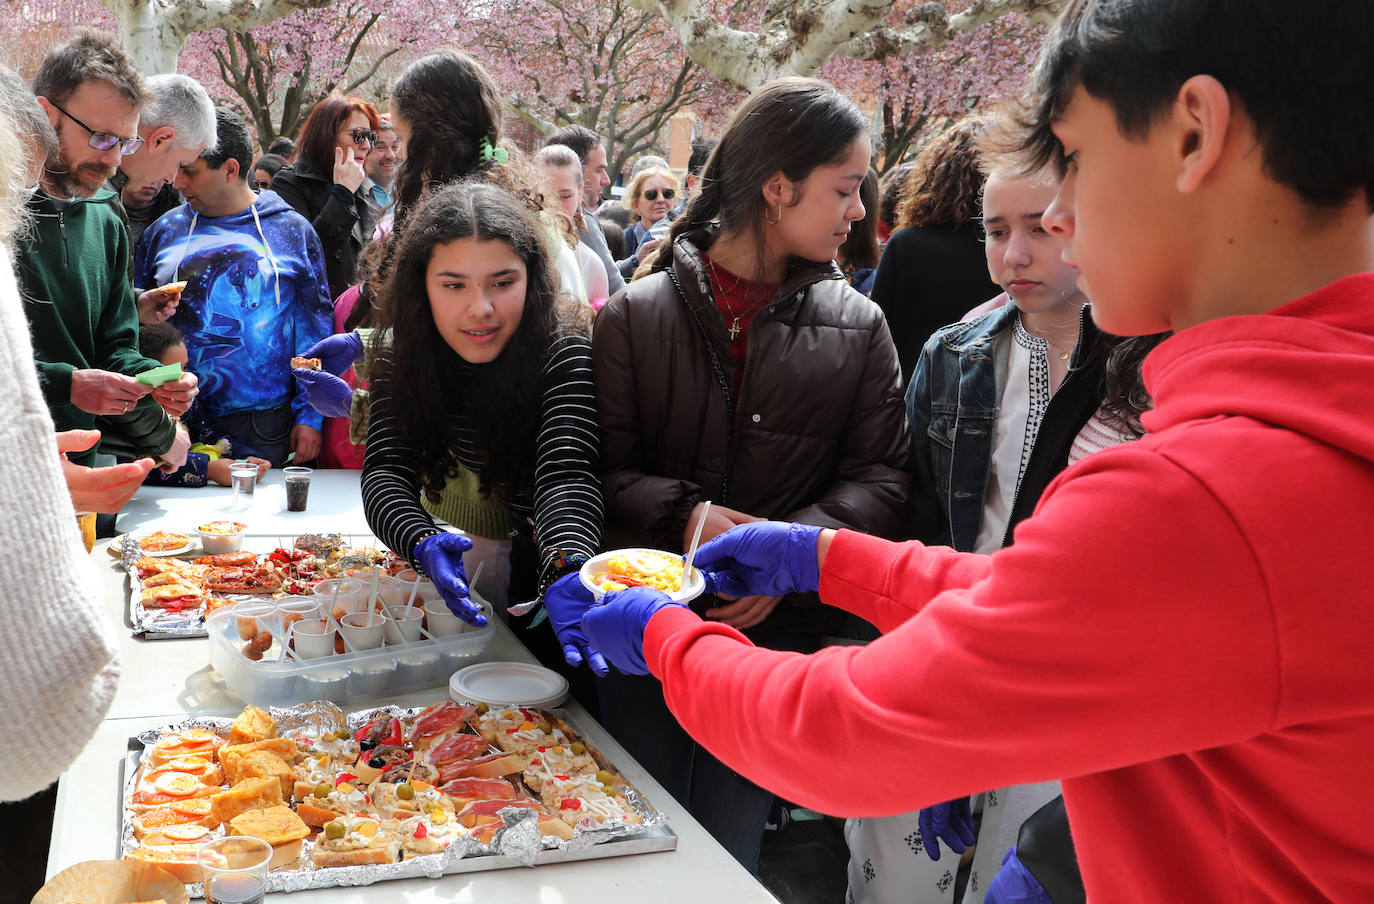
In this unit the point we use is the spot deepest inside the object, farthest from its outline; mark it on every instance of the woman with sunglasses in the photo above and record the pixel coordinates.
(325, 184)
(651, 196)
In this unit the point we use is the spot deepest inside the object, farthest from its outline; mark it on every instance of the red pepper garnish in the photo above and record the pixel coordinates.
(562, 778)
(305, 742)
(536, 762)
(345, 777)
(421, 831)
(571, 803)
(383, 731)
(511, 730)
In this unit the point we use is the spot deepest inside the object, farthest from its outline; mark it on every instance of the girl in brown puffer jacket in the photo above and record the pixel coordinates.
(745, 371)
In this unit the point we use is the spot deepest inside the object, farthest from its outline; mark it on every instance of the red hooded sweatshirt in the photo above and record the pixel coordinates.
(1181, 633)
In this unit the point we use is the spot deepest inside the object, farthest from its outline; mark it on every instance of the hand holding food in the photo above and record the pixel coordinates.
(440, 557)
(337, 353)
(616, 628)
(326, 393)
(769, 558)
(157, 305)
(176, 396)
(105, 393)
(567, 601)
(951, 822)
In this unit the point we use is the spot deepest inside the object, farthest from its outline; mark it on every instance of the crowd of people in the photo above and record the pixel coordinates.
(1014, 560)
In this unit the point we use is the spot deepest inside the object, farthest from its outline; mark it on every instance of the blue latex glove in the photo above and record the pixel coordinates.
(337, 353)
(766, 558)
(1014, 884)
(616, 628)
(326, 393)
(441, 557)
(567, 601)
(952, 822)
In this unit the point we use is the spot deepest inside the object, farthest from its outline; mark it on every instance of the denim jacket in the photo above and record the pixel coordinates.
(952, 405)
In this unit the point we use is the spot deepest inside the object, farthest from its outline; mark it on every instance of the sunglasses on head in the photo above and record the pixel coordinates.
(651, 194)
(364, 136)
(103, 141)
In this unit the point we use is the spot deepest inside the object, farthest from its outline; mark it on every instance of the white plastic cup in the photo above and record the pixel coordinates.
(441, 622)
(402, 626)
(350, 594)
(362, 630)
(313, 638)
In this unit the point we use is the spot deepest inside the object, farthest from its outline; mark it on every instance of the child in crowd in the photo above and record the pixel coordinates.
(209, 458)
(745, 371)
(1180, 631)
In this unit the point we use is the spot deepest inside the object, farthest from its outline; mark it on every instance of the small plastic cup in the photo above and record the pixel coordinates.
(388, 591)
(423, 588)
(402, 626)
(297, 608)
(235, 869)
(362, 630)
(348, 593)
(440, 621)
(297, 487)
(313, 638)
(244, 478)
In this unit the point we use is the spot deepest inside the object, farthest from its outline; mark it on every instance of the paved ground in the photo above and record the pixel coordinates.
(804, 862)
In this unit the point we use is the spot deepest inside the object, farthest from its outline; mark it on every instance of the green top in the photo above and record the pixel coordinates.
(73, 274)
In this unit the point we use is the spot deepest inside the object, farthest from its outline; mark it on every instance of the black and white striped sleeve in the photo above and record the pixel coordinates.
(568, 511)
(391, 484)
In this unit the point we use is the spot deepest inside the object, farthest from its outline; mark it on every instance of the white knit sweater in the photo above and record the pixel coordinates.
(58, 667)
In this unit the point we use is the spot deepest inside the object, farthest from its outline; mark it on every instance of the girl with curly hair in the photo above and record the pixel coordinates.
(488, 369)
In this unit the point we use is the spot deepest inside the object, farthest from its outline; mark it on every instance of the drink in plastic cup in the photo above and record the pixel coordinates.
(235, 869)
(362, 630)
(403, 626)
(313, 638)
(345, 593)
(297, 488)
(442, 623)
(244, 477)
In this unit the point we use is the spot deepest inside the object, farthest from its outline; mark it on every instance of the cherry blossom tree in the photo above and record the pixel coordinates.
(741, 44)
(603, 64)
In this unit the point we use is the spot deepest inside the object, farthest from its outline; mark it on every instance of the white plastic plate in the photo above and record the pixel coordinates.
(508, 684)
(598, 564)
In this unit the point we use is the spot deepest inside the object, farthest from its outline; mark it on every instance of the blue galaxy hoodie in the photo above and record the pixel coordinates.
(257, 295)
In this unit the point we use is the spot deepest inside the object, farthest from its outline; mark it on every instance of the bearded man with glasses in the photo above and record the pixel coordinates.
(74, 262)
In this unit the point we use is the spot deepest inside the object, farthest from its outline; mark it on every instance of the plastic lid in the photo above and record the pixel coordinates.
(508, 684)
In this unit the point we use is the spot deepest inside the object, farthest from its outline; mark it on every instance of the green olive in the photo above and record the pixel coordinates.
(322, 789)
(483, 709)
(543, 726)
(605, 777)
(609, 790)
(578, 748)
(335, 830)
(405, 791)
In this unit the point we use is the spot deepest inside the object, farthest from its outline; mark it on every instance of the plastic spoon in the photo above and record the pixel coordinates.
(696, 539)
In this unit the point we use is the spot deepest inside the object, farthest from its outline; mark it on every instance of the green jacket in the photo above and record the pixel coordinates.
(73, 274)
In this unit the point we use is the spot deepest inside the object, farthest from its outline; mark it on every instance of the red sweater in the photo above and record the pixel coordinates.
(1180, 633)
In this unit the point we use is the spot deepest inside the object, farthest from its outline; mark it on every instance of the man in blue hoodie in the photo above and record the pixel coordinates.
(257, 295)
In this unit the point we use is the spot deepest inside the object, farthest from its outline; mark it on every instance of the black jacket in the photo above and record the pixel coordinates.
(342, 221)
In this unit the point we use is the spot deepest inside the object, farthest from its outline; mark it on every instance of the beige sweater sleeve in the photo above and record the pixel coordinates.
(59, 669)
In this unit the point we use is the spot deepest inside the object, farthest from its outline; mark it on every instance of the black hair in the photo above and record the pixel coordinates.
(269, 163)
(580, 138)
(790, 125)
(1300, 72)
(506, 423)
(282, 146)
(701, 150)
(1124, 396)
(231, 141)
(156, 338)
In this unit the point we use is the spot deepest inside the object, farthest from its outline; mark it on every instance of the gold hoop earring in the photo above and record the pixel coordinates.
(775, 222)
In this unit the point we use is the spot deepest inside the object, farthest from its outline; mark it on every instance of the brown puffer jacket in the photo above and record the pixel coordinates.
(818, 432)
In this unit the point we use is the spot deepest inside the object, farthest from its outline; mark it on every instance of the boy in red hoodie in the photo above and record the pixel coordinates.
(1180, 632)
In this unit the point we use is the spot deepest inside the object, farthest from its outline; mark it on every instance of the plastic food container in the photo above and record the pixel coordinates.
(221, 537)
(598, 565)
(279, 680)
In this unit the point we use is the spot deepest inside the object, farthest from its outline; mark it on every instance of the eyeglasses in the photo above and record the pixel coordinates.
(651, 194)
(103, 141)
(364, 136)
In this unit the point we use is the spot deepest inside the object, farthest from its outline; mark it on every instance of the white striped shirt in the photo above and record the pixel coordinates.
(566, 511)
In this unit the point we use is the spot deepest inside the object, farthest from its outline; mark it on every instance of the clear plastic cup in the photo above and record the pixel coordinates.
(345, 593)
(235, 869)
(423, 588)
(244, 478)
(297, 487)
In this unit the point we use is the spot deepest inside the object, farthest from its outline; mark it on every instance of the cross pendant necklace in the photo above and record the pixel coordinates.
(734, 330)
